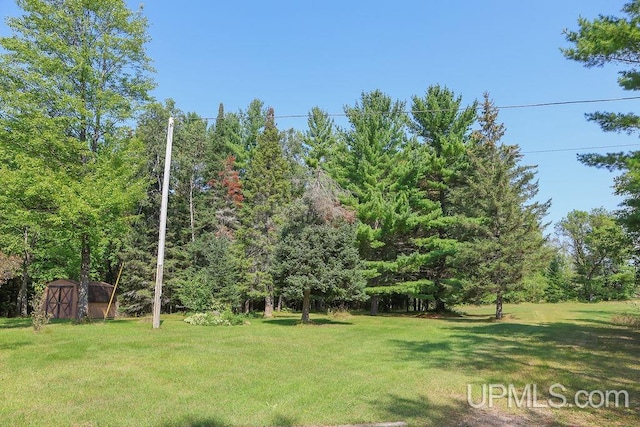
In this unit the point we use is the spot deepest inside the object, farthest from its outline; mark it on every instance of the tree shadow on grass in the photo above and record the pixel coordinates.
(280, 420)
(458, 413)
(125, 320)
(606, 313)
(192, 421)
(419, 314)
(26, 322)
(10, 346)
(471, 318)
(16, 322)
(599, 322)
(578, 356)
(295, 322)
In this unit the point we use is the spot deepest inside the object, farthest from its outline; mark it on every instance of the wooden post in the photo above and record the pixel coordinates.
(113, 293)
(163, 227)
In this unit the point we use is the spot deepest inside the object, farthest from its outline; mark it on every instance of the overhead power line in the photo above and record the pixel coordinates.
(505, 107)
(553, 150)
(585, 101)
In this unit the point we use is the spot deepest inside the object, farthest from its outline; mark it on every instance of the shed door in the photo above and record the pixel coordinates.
(59, 302)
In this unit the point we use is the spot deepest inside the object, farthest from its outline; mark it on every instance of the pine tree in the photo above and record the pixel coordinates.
(370, 161)
(226, 198)
(141, 244)
(613, 40)
(320, 138)
(443, 129)
(267, 190)
(558, 274)
(506, 240)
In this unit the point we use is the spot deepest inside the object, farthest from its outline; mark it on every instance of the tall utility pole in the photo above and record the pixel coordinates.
(163, 226)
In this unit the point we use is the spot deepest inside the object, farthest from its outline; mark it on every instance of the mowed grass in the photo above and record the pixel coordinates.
(358, 369)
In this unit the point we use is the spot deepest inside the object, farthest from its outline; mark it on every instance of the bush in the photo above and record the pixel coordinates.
(39, 315)
(629, 319)
(339, 313)
(226, 318)
(632, 320)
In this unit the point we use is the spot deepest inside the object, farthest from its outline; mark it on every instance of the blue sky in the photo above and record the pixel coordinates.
(297, 54)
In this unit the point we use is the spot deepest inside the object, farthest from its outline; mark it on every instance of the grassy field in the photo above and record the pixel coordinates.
(356, 369)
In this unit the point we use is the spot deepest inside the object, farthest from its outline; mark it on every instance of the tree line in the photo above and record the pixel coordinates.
(412, 207)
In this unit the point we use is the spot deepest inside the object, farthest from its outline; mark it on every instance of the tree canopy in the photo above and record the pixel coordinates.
(400, 205)
(614, 40)
(72, 74)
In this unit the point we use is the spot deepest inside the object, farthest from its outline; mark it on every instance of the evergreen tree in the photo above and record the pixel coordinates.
(370, 162)
(506, 241)
(187, 210)
(140, 249)
(211, 282)
(226, 198)
(267, 190)
(614, 40)
(246, 126)
(320, 138)
(214, 276)
(558, 274)
(316, 253)
(443, 129)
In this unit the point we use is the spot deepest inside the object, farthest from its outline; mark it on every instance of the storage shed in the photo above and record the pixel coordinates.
(62, 299)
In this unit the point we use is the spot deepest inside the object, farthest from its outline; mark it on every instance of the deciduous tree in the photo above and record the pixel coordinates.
(79, 68)
(600, 252)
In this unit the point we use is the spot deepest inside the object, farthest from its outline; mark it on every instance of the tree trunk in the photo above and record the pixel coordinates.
(247, 306)
(83, 287)
(23, 298)
(306, 303)
(374, 305)
(268, 303)
(191, 211)
(499, 307)
(440, 305)
(280, 302)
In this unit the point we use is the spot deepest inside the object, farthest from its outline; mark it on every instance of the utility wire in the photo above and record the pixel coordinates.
(553, 150)
(506, 107)
(479, 107)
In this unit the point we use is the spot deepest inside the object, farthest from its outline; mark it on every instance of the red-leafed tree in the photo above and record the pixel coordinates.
(9, 267)
(228, 197)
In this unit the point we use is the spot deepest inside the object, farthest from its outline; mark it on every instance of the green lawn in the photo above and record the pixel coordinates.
(358, 369)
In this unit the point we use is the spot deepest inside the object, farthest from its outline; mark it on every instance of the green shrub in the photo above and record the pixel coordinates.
(226, 318)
